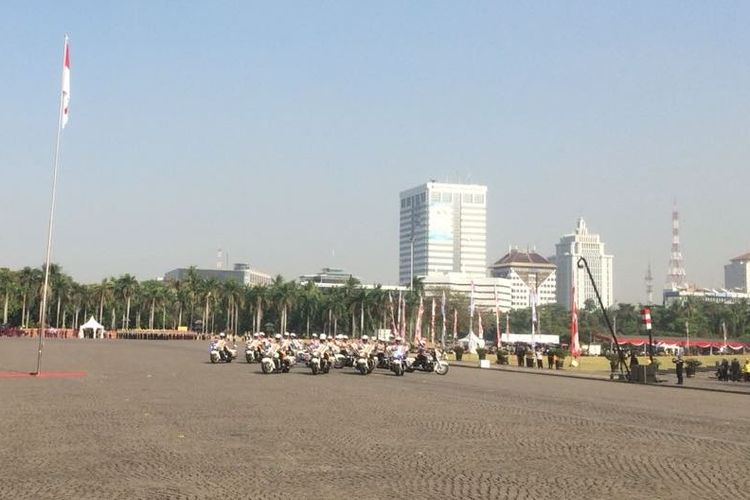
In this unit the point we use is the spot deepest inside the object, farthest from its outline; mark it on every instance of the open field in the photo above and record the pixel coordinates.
(155, 420)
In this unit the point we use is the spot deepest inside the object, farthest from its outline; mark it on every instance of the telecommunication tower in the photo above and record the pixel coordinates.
(649, 285)
(219, 259)
(676, 277)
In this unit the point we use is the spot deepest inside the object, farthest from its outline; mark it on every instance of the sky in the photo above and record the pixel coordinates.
(283, 132)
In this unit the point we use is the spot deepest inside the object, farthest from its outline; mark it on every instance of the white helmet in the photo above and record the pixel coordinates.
(365, 337)
(277, 336)
(293, 335)
(286, 334)
(315, 335)
(345, 337)
(322, 336)
(222, 334)
(256, 335)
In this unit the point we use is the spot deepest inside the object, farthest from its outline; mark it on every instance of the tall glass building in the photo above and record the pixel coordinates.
(445, 226)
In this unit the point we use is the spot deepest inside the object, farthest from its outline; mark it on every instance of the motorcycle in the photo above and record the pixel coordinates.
(216, 356)
(398, 362)
(252, 354)
(319, 363)
(274, 362)
(366, 362)
(431, 362)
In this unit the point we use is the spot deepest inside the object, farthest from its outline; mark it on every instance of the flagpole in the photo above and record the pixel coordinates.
(45, 287)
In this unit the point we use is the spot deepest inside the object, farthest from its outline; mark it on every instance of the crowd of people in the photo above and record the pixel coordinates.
(733, 371)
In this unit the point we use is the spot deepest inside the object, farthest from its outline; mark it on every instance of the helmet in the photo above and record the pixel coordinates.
(399, 340)
(345, 337)
(422, 342)
(256, 335)
(286, 334)
(222, 335)
(315, 335)
(365, 337)
(322, 336)
(277, 336)
(294, 336)
(261, 334)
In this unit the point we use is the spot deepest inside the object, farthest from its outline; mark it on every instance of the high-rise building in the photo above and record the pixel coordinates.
(737, 274)
(571, 247)
(527, 271)
(443, 229)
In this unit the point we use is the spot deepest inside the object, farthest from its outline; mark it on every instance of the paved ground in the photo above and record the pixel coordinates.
(155, 420)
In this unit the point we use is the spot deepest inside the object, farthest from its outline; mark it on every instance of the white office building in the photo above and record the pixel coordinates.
(444, 227)
(571, 247)
(527, 271)
(737, 274)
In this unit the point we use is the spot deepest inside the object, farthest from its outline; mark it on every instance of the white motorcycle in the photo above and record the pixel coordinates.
(218, 357)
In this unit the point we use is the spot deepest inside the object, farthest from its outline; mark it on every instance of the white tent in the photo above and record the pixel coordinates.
(94, 325)
(472, 342)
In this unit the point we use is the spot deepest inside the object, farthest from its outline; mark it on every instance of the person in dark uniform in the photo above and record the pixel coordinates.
(520, 353)
(679, 363)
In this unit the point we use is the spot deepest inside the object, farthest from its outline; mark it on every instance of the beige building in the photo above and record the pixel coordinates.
(527, 271)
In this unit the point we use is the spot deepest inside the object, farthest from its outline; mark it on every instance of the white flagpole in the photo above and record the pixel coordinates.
(43, 315)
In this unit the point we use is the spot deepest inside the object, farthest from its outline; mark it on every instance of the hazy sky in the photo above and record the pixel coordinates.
(284, 131)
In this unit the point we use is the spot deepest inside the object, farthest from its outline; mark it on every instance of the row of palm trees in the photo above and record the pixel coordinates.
(203, 305)
(206, 305)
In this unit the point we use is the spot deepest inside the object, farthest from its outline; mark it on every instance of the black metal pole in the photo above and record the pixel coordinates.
(620, 354)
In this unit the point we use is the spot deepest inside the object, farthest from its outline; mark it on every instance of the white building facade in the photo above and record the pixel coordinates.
(571, 247)
(737, 274)
(527, 271)
(445, 225)
(485, 289)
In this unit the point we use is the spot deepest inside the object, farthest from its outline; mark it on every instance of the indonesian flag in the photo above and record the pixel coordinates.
(575, 346)
(418, 325)
(65, 84)
(480, 328)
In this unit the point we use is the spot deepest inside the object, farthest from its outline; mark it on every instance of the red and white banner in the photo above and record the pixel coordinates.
(432, 323)
(575, 346)
(497, 320)
(455, 324)
(418, 325)
(480, 328)
(65, 85)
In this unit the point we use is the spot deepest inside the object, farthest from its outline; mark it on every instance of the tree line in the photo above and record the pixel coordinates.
(209, 306)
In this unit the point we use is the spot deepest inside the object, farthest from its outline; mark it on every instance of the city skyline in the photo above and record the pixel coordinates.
(284, 133)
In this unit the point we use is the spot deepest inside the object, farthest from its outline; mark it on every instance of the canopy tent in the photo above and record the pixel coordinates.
(95, 326)
(472, 341)
(672, 342)
(527, 338)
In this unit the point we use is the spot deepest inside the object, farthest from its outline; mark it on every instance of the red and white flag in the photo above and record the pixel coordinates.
(432, 322)
(480, 328)
(575, 346)
(65, 85)
(418, 325)
(497, 319)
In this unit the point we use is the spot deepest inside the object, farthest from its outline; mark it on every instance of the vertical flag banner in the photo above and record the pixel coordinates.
(442, 310)
(398, 324)
(472, 307)
(480, 328)
(418, 325)
(575, 346)
(497, 320)
(432, 323)
(393, 317)
(533, 319)
(455, 324)
(65, 85)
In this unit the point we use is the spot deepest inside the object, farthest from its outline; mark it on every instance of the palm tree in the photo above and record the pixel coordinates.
(8, 286)
(258, 295)
(29, 280)
(126, 286)
(311, 301)
(151, 291)
(104, 292)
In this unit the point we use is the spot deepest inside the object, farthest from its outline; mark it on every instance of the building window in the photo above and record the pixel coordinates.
(447, 197)
(423, 197)
(466, 198)
(478, 198)
(435, 196)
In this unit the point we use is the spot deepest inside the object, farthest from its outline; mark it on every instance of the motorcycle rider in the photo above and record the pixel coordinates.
(423, 354)
(221, 346)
